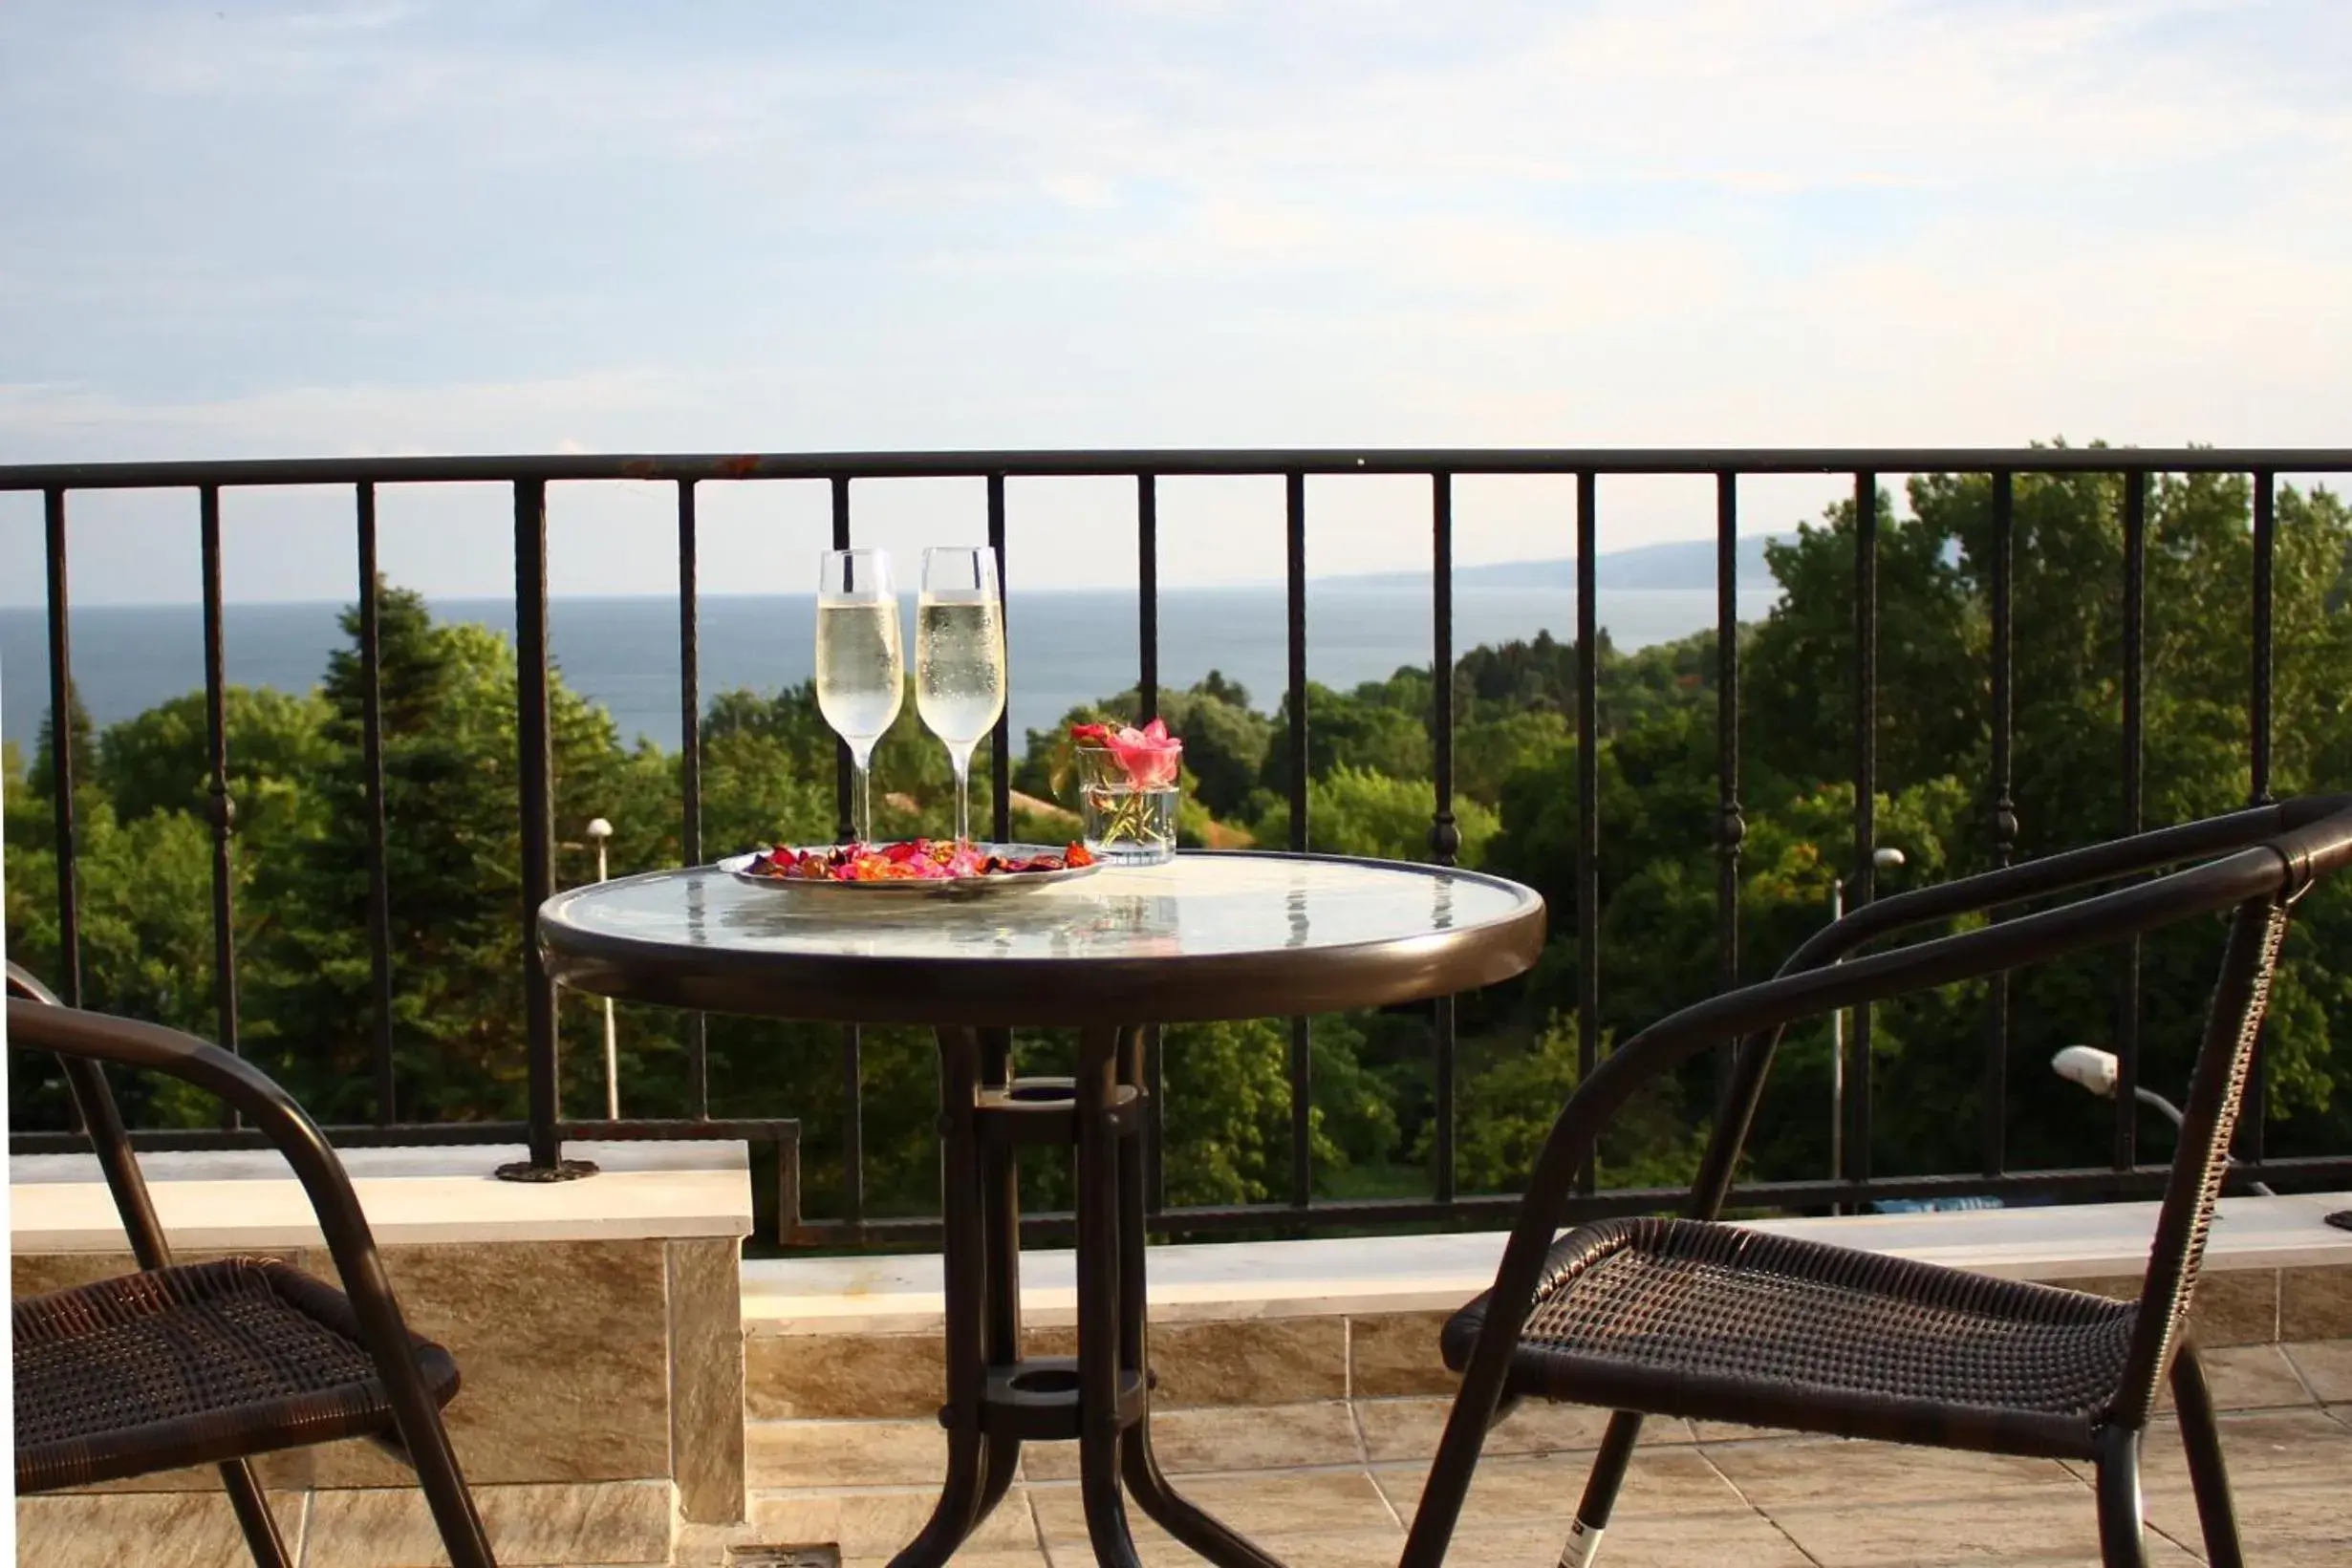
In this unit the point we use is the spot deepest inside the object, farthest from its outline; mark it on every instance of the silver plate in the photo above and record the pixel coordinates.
(963, 887)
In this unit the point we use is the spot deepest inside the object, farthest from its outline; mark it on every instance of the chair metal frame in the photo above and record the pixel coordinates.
(2252, 863)
(84, 1043)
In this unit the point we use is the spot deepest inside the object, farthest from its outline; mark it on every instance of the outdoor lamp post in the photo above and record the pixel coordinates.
(1884, 860)
(2099, 1072)
(599, 831)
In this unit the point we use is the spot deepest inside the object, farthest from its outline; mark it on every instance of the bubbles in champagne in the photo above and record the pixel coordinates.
(958, 665)
(860, 672)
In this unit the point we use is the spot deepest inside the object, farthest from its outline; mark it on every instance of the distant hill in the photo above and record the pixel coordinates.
(1684, 564)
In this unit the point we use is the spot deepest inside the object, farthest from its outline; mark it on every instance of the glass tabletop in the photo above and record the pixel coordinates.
(1208, 914)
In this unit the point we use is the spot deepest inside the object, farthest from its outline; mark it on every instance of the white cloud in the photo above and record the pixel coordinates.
(380, 229)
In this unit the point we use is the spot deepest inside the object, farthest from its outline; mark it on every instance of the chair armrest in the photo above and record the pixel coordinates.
(87, 1039)
(101, 1119)
(21, 984)
(93, 1038)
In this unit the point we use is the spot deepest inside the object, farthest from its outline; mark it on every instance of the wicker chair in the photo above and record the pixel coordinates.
(1691, 1318)
(211, 1363)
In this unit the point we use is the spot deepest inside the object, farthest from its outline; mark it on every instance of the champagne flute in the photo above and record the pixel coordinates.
(861, 673)
(960, 659)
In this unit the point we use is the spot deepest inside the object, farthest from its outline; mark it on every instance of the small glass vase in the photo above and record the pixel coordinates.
(1125, 823)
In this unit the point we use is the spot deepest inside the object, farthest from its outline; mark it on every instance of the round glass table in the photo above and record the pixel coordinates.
(1204, 936)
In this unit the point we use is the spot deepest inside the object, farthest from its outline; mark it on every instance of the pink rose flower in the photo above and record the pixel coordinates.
(1150, 757)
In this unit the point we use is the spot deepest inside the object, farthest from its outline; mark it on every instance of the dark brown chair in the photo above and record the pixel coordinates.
(1691, 1318)
(212, 1363)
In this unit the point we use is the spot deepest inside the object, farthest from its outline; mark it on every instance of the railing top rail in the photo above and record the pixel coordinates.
(1172, 462)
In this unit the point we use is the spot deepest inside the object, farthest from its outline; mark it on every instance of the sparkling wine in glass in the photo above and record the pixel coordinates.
(861, 673)
(960, 659)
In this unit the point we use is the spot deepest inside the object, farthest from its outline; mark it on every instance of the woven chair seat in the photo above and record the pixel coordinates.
(1718, 1323)
(191, 1365)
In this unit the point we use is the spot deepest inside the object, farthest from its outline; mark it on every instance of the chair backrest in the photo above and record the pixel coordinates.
(2201, 1163)
(102, 1120)
(21, 984)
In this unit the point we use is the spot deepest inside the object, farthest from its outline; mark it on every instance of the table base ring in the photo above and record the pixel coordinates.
(1044, 1110)
(1036, 1400)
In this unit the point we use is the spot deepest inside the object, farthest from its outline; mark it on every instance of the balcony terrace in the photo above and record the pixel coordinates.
(641, 1388)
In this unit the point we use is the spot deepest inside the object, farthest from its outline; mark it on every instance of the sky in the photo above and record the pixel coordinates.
(246, 229)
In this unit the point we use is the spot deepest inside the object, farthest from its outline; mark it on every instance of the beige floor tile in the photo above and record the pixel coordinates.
(1409, 1428)
(2271, 1520)
(1829, 1472)
(1737, 1431)
(152, 1529)
(1225, 1438)
(2041, 1525)
(558, 1526)
(1033, 1558)
(2288, 1474)
(843, 1454)
(2326, 1364)
(1312, 1549)
(2247, 1377)
(876, 1524)
(1710, 1541)
(2284, 1445)
(1299, 1503)
(1510, 1490)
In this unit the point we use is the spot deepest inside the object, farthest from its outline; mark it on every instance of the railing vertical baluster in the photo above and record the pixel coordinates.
(1854, 1146)
(2004, 822)
(219, 810)
(1587, 796)
(690, 757)
(852, 1050)
(2135, 676)
(537, 756)
(1301, 1162)
(1147, 574)
(1731, 826)
(2250, 1125)
(61, 752)
(1147, 709)
(372, 765)
(1445, 839)
(1001, 738)
(843, 766)
(2265, 562)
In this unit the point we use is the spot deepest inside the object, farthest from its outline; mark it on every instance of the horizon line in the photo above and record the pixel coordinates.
(1275, 583)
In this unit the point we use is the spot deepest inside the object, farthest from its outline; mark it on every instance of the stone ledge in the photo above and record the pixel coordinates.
(219, 1201)
(1356, 1276)
(594, 1323)
(858, 1337)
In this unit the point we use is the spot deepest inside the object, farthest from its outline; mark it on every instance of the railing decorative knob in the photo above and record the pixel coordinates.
(1445, 840)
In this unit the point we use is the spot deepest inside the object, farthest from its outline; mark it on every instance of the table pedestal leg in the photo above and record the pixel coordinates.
(1000, 1201)
(993, 1396)
(979, 1225)
(1100, 1353)
(1172, 1512)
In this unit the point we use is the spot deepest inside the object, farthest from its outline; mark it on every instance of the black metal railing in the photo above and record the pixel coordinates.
(547, 1131)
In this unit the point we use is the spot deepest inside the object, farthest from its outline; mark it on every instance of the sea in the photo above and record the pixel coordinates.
(1067, 647)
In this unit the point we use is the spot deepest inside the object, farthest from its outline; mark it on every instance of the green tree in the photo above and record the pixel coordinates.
(452, 871)
(1356, 811)
(1360, 729)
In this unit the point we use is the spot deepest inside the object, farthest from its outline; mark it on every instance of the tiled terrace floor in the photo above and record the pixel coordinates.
(1333, 1482)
